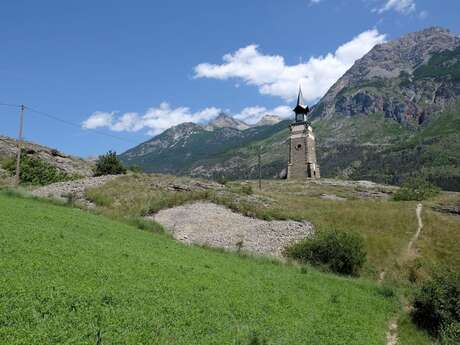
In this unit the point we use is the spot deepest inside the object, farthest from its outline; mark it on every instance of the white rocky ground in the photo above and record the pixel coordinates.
(216, 226)
(76, 188)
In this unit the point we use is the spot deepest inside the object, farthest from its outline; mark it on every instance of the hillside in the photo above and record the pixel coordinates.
(69, 164)
(396, 105)
(103, 282)
(180, 148)
(397, 258)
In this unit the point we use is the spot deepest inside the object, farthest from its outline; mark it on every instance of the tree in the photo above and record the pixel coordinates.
(109, 164)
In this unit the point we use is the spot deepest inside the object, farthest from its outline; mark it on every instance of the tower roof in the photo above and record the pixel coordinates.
(300, 98)
(300, 107)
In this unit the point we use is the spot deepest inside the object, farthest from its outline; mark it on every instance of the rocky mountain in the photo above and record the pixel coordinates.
(69, 164)
(183, 148)
(395, 113)
(394, 79)
(225, 121)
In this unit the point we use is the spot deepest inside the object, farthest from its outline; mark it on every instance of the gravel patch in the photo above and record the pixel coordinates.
(76, 188)
(332, 197)
(209, 224)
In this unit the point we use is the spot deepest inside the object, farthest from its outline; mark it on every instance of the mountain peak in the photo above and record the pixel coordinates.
(374, 83)
(226, 121)
(268, 120)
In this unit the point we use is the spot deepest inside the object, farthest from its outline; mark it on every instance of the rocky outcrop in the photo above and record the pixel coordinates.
(69, 164)
(226, 121)
(388, 80)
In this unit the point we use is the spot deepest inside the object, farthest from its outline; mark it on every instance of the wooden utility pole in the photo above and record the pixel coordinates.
(259, 154)
(18, 157)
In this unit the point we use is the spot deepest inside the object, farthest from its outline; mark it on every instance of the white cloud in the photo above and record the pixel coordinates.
(401, 6)
(273, 77)
(163, 117)
(129, 122)
(251, 115)
(98, 119)
(157, 119)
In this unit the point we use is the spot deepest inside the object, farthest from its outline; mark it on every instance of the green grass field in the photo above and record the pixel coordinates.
(386, 225)
(71, 277)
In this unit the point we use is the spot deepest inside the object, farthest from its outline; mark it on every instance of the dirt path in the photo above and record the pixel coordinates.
(392, 334)
(410, 253)
(209, 224)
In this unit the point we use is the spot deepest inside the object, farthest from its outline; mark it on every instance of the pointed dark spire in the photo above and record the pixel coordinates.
(300, 98)
(301, 110)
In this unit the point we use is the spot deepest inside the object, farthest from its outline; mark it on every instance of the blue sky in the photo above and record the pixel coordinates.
(132, 69)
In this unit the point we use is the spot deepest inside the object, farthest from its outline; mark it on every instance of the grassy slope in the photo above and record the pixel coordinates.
(68, 276)
(387, 226)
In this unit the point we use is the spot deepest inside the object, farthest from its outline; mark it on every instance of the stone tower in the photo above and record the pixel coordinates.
(302, 148)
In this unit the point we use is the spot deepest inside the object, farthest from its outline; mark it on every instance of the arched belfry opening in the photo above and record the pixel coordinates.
(302, 147)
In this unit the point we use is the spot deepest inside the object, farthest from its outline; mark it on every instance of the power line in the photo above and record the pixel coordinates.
(11, 105)
(53, 117)
(69, 123)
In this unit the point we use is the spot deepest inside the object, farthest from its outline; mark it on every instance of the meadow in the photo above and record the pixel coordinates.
(72, 277)
(386, 225)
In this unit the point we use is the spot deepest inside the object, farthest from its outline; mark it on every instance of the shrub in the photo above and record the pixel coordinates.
(386, 291)
(247, 189)
(109, 164)
(437, 304)
(416, 188)
(36, 171)
(341, 252)
(450, 335)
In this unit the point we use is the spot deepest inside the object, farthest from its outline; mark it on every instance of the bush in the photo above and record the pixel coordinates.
(450, 335)
(437, 305)
(109, 164)
(36, 171)
(340, 252)
(416, 189)
(247, 189)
